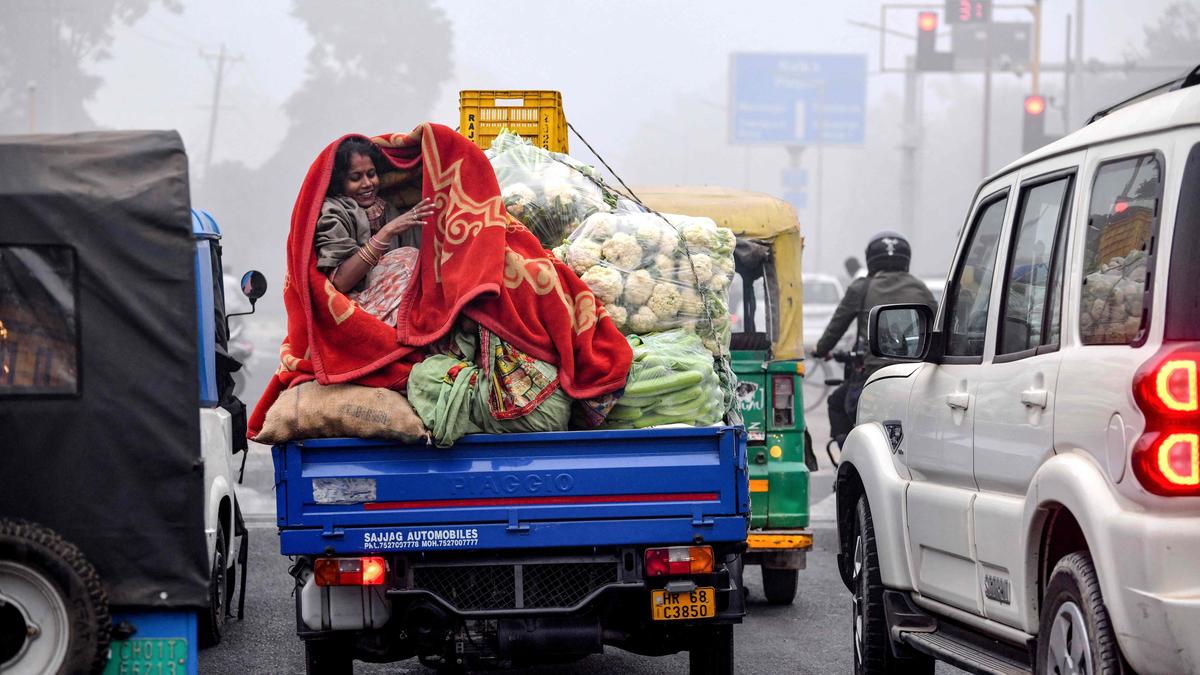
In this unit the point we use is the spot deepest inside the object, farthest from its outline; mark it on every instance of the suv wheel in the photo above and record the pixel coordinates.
(1075, 635)
(872, 644)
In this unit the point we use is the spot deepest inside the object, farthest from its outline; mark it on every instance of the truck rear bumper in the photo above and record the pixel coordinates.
(512, 535)
(778, 549)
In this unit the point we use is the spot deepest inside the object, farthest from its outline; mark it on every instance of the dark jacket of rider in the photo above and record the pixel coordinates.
(887, 282)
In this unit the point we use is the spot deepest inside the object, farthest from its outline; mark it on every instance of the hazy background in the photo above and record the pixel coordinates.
(644, 81)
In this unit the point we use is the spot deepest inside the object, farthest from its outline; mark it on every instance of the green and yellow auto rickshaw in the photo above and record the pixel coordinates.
(765, 300)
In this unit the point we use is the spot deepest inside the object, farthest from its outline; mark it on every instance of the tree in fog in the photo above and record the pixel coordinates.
(374, 67)
(45, 51)
(1172, 38)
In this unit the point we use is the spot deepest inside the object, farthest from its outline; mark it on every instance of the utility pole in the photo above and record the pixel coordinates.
(1037, 47)
(1067, 72)
(31, 90)
(216, 100)
(1079, 52)
(985, 158)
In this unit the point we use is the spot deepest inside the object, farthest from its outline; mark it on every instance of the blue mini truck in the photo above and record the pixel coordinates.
(517, 548)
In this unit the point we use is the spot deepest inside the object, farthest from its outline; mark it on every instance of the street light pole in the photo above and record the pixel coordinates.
(909, 144)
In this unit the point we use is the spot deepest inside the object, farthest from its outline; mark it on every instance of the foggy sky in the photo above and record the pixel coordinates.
(645, 81)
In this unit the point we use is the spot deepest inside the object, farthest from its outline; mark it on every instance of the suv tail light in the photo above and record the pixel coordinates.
(679, 561)
(369, 571)
(1166, 459)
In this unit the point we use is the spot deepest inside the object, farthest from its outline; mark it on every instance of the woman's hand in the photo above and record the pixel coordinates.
(414, 217)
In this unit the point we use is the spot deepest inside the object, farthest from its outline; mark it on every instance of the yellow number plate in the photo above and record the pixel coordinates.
(698, 604)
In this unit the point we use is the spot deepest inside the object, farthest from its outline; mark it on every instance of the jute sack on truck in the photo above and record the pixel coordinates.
(312, 410)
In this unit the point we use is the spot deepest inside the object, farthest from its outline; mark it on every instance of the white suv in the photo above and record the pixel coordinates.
(1023, 492)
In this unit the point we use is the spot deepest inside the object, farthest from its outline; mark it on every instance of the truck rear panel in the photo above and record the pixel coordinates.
(513, 491)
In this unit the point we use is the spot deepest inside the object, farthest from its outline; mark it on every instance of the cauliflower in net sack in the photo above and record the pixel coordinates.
(665, 266)
(582, 255)
(668, 239)
(719, 281)
(697, 235)
(643, 321)
(619, 315)
(664, 301)
(724, 241)
(516, 197)
(561, 193)
(690, 303)
(600, 226)
(649, 233)
(623, 251)
(638, 287)
(725, 265)
(605, 282)
(700, 270)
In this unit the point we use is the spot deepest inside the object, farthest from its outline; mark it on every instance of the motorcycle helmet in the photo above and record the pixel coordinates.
(888, 251)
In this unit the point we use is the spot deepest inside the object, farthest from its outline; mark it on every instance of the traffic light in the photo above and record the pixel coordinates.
(1034, 130)
(928, 57)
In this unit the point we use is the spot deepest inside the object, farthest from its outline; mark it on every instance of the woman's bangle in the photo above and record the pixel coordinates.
(377, 245)
(373, 254)
(368, 256)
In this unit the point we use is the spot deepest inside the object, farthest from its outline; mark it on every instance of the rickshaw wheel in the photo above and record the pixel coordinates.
(212, 619)
(53, 609)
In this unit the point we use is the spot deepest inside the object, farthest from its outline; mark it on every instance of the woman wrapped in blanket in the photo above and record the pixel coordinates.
(364, 244)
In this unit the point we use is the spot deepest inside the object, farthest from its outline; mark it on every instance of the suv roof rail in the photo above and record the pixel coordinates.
(1188, 79)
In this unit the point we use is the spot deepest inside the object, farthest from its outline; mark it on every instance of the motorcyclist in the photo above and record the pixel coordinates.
(887, 282)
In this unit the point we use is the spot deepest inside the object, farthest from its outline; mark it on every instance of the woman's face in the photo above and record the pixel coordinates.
(361, 180)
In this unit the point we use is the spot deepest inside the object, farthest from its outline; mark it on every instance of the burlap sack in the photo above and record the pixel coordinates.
(311, 410)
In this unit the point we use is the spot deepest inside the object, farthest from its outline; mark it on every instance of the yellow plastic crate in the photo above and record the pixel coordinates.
(536, 115)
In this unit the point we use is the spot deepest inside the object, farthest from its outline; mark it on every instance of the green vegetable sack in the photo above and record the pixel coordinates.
(671, 381)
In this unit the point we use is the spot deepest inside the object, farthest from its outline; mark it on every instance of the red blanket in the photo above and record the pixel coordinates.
(474, 259)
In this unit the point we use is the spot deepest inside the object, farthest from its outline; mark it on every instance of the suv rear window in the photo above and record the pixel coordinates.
(1183, 283)
(39, 353)
(1122, 221)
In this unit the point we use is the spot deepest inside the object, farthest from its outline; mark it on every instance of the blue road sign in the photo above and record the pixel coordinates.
(798, 99)
(798, 199)
(795, 177)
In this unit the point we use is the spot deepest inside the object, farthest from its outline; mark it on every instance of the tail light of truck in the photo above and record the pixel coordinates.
(679, 561)
(1166, 459)
(367, 571)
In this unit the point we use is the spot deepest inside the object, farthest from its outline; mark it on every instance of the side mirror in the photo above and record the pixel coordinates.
(900, 332)
(254, 285)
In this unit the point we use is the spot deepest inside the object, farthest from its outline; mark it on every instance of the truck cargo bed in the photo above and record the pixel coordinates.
(546, 490)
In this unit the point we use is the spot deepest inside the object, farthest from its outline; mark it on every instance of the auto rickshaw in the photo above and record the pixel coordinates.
(120, 534)
(765, 300)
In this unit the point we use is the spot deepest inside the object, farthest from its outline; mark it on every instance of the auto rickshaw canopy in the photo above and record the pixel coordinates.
(99, 377)
(751, 215)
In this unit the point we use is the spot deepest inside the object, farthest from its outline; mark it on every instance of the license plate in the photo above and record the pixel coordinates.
(148, 656)
(757, 436)
(698, 604)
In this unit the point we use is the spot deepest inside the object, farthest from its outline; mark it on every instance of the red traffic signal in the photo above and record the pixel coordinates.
(1033, 135)
(927, 22)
